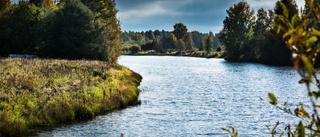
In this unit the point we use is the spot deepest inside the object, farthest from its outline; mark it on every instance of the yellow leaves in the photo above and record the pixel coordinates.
(310, 42)
(315, 32)
(289, 33)
(285, 10)
(273, 98)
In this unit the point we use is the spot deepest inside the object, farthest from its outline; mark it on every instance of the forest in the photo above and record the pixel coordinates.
(252, 37)
(69, 29)
(179, 40)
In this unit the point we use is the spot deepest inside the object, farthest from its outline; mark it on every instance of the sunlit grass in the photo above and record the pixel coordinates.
(41, 93)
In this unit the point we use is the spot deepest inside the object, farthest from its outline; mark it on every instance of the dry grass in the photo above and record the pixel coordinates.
(36, 93)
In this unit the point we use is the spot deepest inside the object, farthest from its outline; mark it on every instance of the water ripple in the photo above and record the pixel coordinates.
(183, 96)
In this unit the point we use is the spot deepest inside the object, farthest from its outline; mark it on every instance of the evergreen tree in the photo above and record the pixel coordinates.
(70, 32)
(158, 44)
(260, 33)
(201, 44)
(196, 37)
(172, 41)
(277, 52)
(17, 29)
(209, 43)
(180, 30)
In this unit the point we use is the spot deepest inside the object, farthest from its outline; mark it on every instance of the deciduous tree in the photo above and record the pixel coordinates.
(180, 30)
(237, 30)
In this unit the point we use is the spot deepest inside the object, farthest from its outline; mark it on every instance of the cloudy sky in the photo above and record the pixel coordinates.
(200, 15)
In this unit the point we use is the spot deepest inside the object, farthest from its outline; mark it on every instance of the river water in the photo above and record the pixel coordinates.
(185, 96)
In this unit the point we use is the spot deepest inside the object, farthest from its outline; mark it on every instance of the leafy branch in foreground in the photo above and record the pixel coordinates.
(302, 39)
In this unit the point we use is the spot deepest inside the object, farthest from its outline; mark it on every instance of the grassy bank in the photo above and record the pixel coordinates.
(42, 93)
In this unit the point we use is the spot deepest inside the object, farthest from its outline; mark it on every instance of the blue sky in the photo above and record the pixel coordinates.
(200, 15)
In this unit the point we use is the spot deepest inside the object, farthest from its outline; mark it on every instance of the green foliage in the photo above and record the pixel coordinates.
(302, 39)
(237, 31)
(68, 32)
(135, 49)
(17, 29)
(273, 98)
(36, 93)
(180, 30)
(40, 27)
(209, 43)
(172, 41)
(201, 44)
(36, 2)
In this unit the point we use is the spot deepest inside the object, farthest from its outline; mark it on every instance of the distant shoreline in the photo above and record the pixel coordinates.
(191, 54)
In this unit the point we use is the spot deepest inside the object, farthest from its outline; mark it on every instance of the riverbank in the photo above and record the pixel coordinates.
(201, 54)
(45, 93)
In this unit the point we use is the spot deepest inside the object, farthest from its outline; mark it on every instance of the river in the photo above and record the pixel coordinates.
(185, 96)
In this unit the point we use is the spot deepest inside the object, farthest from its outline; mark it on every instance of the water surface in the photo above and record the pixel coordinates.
(184, 96)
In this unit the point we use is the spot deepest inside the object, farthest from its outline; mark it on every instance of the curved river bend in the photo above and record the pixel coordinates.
(184, 96)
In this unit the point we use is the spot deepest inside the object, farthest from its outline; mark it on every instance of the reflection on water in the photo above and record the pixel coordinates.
(183, 96)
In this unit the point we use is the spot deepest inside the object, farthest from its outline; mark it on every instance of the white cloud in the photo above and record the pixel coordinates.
(257, 4)
(269, 4)
(156, 8)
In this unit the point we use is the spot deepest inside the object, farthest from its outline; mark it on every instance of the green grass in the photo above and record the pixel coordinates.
(41, 93)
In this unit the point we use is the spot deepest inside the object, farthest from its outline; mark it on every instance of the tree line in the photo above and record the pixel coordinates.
(252, 37)
(67, 29)
(178, 40)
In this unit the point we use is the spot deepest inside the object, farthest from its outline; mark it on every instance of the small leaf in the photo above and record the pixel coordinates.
(281, 135)
(288, 33)
(308, 67)
(315, 32)
(273, 98)
(290, 41)
(285, 10)
(311, 41)
(235, 134)
(293, 20)
(300, 129)
(304, 113)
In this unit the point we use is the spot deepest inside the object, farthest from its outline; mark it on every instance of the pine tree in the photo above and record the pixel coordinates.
(209, 43)
(201, 44)
(69, 32)
(180, 30)
(189, 42)
(172, 41)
